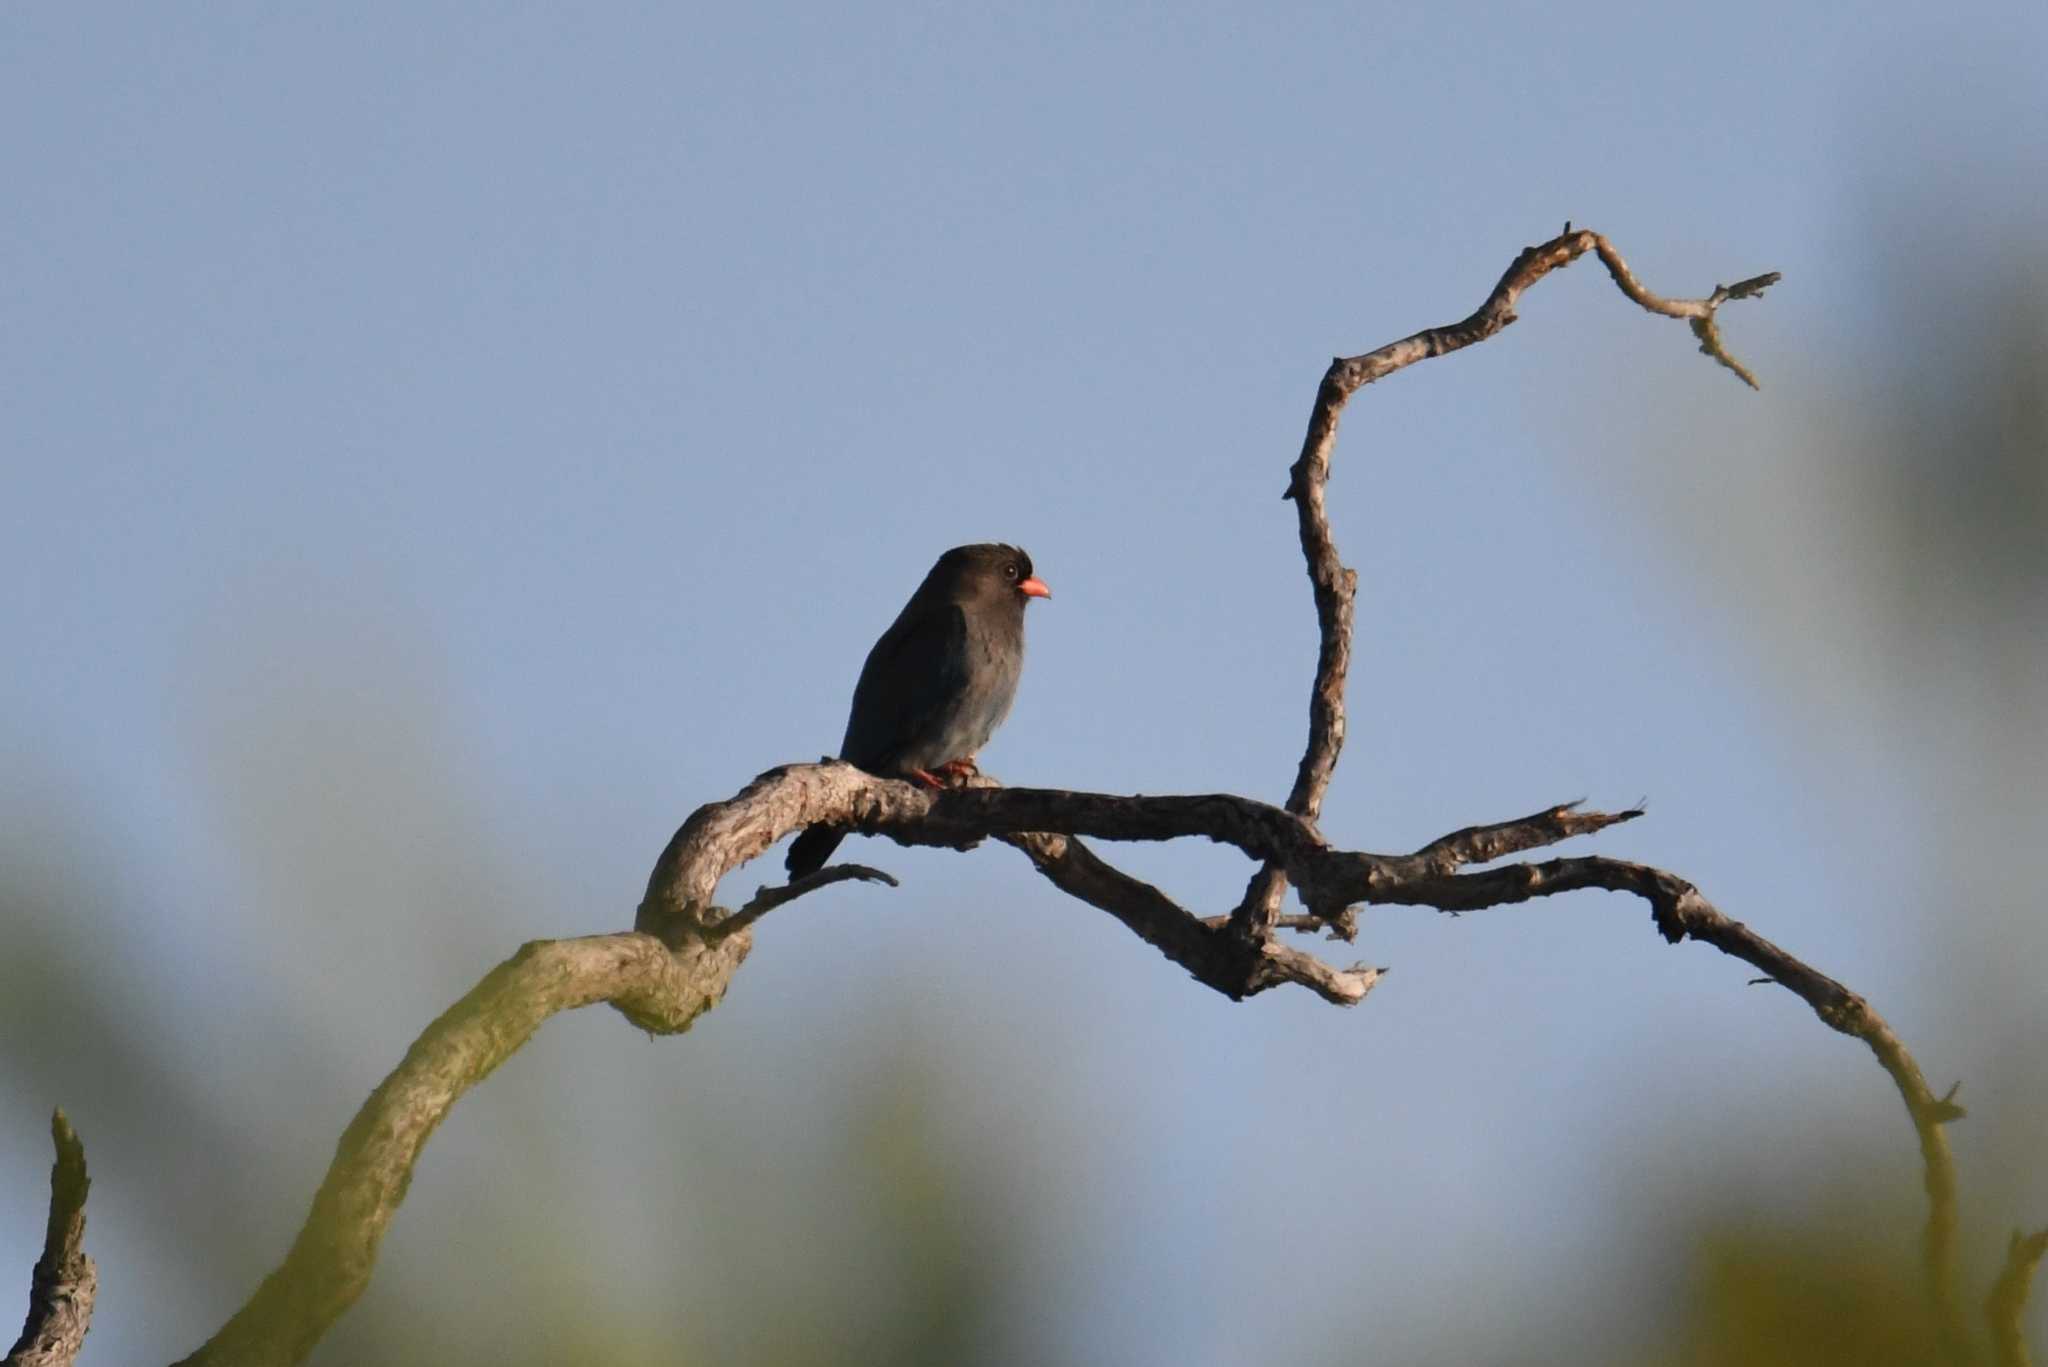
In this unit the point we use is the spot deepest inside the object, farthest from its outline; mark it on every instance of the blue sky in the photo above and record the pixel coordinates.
(442, 446)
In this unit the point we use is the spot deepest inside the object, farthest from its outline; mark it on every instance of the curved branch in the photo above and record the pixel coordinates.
(1680, 912)
(1335, 587)
(65, 1281)
(771, 896)
(331, 1261)
(1332, 880)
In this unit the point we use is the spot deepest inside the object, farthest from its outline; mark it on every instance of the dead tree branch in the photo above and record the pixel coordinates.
(62, 1287)
(771, 896)
(1335, 587)
(684, 949)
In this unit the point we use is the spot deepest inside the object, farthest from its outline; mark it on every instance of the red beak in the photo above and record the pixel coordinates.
(1034, 588)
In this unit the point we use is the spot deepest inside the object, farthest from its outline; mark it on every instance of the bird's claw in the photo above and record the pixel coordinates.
(948, 775)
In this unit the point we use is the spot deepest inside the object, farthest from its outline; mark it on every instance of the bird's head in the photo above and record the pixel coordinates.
(988, 572)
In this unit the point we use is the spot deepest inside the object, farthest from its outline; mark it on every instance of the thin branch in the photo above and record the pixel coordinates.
(2008, 1303)
(1228, 963)
(772, 896)
(1679, 911)
(62, 1287)
(1343, 926)
(1700, 313)
(1335, 587)
(1484, 844)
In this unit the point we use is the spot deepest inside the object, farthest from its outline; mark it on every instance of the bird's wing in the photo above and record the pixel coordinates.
(915, 672)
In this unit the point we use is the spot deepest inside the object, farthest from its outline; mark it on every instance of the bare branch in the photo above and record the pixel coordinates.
(664, 989)
(1333, 880)
(62, 1287)
(1334, 586)
(1679, 911)
(685, 948)
(1228, 963)
(1699, 313)
(772, 896)
(1343, 926)
(1483, 844)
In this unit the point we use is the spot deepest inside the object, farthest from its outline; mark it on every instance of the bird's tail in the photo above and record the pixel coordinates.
(809, 851)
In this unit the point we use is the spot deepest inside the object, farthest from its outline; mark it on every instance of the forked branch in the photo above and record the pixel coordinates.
(1334, 586)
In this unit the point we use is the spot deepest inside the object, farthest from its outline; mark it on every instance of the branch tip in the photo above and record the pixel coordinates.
(65, 1281)
(1945, 1108)
(1751, 288)
(771, 895)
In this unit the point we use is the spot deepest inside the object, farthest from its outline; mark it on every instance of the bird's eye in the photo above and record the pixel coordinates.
(1009, 571)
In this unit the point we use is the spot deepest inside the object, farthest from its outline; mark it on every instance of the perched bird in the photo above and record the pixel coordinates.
(939, 682)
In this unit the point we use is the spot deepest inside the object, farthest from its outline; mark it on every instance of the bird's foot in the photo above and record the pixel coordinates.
(948, 775)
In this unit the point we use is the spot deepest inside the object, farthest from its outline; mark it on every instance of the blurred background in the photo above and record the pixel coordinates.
(442, 446)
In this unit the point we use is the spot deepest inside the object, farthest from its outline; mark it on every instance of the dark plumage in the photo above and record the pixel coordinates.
(941, 679)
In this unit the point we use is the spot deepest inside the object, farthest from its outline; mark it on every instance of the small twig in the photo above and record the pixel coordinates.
(773, 895)
(1699, 313)
(1341, 925)
(2008, 1303)
(64, 1282)
(1484, 844)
